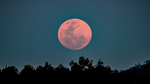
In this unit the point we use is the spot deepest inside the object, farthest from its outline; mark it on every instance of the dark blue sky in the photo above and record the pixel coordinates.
(120, 31)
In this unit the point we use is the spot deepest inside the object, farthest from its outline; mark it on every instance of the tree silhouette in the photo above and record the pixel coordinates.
(99, 66)
(82, 71)
(147, 62)
(61, 74)
(48, 67)
(75, 67)
(84, 63)
(61, 68)
(27, 74)
(10, 70)
(9, 74)
(145, 69)
(28, 69)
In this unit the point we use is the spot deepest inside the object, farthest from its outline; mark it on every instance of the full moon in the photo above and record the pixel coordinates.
(74, 34)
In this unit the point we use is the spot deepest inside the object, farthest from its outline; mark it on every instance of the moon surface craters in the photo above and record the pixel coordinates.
(71, 39)
(74, 34)
(71, 27)
(75, 42)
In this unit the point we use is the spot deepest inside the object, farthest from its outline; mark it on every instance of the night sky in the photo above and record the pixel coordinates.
(29, 28)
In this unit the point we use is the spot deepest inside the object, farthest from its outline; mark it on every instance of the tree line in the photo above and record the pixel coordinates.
(82, 71)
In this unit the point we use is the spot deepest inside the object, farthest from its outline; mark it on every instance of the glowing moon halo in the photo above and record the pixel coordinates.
(74, 34)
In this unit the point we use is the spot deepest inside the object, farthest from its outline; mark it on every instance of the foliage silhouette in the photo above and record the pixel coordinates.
(9, 74)
(82, 71)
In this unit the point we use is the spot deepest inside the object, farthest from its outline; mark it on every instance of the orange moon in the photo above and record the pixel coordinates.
(74, 34)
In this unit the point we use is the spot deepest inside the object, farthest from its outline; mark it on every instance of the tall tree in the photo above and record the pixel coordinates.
(85, 63)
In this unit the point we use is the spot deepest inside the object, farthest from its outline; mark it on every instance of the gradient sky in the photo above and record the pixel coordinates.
(29, 28)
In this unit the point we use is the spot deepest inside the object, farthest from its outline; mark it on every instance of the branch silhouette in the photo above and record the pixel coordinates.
(82, 71)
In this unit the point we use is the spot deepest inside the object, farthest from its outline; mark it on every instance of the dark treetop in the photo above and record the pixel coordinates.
(82, 71)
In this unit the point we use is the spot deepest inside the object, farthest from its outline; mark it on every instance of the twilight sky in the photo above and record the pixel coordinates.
(29, 28)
